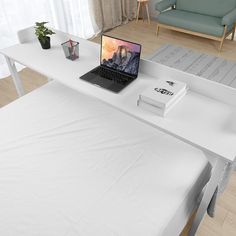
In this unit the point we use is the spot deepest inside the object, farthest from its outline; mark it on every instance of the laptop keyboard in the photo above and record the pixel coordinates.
(112, 75)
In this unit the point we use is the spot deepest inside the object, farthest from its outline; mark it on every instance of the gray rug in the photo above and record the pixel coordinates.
(197, 63)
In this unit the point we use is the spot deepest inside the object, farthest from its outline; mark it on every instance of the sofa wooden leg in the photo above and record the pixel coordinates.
(233, 33)
(232, 36)
(158, 29)
(223, 38)
(221, 45)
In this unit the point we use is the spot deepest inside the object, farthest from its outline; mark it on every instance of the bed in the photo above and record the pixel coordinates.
(72, 165)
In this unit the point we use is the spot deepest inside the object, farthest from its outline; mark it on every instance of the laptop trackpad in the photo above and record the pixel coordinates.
(105, 83)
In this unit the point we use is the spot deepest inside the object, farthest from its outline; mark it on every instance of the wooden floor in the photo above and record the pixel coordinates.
(144, 34)
(224, 224)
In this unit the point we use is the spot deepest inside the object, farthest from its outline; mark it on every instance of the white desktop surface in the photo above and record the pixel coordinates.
(199, 120)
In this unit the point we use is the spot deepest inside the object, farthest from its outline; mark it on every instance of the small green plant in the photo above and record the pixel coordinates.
(42, 32)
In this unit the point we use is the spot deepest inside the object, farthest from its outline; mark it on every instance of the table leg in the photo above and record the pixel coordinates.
(216, 175)
(15, 76)
(148, 16)
(138, 10)
(143, 10)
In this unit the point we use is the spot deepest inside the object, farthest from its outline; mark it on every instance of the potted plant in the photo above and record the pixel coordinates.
(42, 32)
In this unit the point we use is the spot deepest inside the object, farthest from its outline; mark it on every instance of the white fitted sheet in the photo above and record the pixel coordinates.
(71, 165)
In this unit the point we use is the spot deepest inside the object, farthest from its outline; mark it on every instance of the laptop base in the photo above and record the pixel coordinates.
(111, 84)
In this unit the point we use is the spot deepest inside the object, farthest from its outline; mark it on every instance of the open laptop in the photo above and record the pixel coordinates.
(119, 64)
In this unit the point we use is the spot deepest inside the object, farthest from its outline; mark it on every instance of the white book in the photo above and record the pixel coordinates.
(163, 93)
(157, 110)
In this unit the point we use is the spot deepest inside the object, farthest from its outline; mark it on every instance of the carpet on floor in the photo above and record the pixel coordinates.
(209, 67)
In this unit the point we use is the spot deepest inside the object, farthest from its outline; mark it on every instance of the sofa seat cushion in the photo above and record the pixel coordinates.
(191, 21)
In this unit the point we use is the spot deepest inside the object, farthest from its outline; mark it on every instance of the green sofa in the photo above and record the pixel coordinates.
(213, 19)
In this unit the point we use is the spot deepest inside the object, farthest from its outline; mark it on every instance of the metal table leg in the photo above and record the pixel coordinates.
(216, 175)
(15, 76)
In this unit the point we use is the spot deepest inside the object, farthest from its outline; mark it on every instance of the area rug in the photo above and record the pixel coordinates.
(197, 63)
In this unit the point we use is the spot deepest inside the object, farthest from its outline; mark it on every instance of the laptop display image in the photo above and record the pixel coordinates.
(120, 55)
(119, 64)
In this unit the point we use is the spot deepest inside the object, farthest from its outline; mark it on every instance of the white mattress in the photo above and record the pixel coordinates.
(71, 165)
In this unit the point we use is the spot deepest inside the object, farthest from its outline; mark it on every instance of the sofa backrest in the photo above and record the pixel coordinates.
(218, 8)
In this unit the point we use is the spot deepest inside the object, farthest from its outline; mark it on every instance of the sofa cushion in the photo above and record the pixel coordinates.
(195, 22)
(217, 8)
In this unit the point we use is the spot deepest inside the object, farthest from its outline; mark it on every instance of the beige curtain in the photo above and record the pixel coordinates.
(111, 13)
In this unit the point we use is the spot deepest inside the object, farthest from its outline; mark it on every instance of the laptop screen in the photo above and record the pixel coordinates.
(120, 55)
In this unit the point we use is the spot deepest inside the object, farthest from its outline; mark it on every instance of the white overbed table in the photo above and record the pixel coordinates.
(205, 118)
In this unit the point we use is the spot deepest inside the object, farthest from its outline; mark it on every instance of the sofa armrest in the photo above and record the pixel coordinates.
(230, 18)
(164, 4)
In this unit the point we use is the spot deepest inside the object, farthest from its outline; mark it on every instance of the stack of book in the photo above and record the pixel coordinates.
(162, 97)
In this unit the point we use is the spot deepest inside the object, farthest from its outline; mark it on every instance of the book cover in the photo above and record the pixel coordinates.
(164, 93)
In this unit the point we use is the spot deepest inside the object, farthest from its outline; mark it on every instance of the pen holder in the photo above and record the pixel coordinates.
(71, 49)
